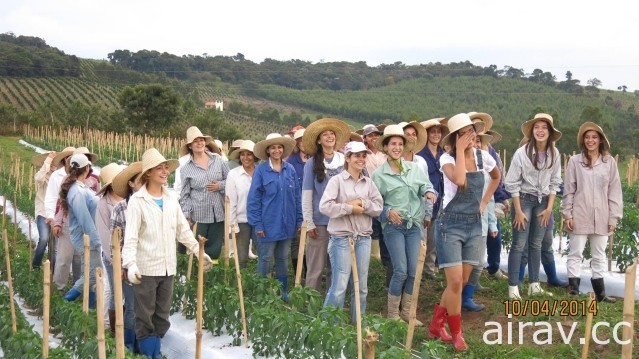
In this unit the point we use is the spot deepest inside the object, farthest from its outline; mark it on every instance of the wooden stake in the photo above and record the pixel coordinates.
(588, 330)
(200, 298)
(15, 221)
(413, 304)
(611, 242)
(51, 255)
(190, 266)
(87, 260)
(7, 257)
(358, 309)
(46, 305)
(629, 311)
(300, 256)
(227, 221)
(371, 341)
(99, 309)
(561, 232)
(117, 292)
(30, 245)
(4, 210)
(240, 291)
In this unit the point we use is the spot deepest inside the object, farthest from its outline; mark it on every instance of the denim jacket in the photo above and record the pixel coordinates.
(82, 206)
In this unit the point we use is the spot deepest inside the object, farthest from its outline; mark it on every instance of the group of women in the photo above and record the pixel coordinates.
(435, 181)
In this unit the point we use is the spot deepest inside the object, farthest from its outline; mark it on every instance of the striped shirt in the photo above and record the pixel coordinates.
(149, 241)
(118, 220)
(198, 203)
(522, 177)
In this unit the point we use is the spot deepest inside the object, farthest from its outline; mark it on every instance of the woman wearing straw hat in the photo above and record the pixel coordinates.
(43, 163)
(184, 156)
(592, 206)
(107, 202)
(350, 200)
(79, 203)
(238, 184)
(274, 206)
(435, 130)
(458, 232)
(124, 185)
(153, 223)
(533, 180)
(403, 186)
(322, 140)
(202, 195)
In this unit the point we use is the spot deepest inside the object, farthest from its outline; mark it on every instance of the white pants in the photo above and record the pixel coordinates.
(597, 249)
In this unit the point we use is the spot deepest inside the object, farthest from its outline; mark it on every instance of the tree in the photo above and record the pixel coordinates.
(150, 108)
(595, 82)
(591, 113)
(568, 76)
(622, 88)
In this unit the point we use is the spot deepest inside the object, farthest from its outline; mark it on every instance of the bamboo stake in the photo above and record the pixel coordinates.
(85, 291)
(190, 266)
(4, 210)
(46, 305)
(358, 309)
(584, 349)
(371, 341)
(611, 241)
(413, 304)
(99, 309)
(629, 311)
(15, 221)
(300, 256)
(227, 221)
(117, 292)
(30, 245)
(200, 297)
(7, 257)
(240, 291)
(561, 232)
(51, 255)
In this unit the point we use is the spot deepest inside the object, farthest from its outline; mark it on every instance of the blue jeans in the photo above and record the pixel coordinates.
(43, 241)
(339, 252)
(129, 301)
(403, 245)
(95, 261)
(547, 253)
(108, 266)
(531, 235)
(493, 249)
(278, 252)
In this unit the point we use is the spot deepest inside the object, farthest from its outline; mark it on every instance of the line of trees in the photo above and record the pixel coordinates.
(29, 56)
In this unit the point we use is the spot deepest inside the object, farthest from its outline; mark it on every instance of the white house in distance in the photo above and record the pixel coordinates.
(218, 105)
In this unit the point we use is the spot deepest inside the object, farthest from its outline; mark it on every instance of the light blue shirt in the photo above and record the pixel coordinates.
(82, 206)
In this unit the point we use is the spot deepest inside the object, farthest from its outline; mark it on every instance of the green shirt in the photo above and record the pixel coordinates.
(403, 192)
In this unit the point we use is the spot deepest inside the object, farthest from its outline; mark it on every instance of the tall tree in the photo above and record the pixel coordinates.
(595, 82)
(150, 108)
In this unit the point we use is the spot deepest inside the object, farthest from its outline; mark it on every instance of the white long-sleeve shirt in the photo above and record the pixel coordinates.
(238, 183)
(42, 180)
(53, 191)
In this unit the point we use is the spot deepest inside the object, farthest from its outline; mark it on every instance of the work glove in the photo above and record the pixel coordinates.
(133, 273)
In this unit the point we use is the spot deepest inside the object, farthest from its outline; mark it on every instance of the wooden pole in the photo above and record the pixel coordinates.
(99, 309)
(371, 341)
(413, 304)
(300, 256)
(117, 292)
(7, 257)
(30, 244)
(46, 305)
(200, 298)
(227, 221)
(561, 232)
(588, 330)
(629, 311)
(358, 309)
(4, 210)
(611, 242)
(190, 266)
(15, 221)
(87, 260)
(240, 291)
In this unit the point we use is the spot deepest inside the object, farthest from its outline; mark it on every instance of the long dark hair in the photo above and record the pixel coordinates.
(587, 161)
(74, 173)
(532, 144)
(318, 164)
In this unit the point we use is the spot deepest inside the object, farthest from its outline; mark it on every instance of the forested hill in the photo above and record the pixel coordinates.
(28, 56)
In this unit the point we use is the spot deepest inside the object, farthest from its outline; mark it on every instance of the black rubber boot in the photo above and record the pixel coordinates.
(600, 291)
(573, 285)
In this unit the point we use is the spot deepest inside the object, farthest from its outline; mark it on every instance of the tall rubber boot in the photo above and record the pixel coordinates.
(284, 282)
(129, 339)
(551, 273)
(573, 285)
(436, 329)
(147, 346)
(157, 353)
(454, 323)
(467, 299)
(92, 300)
(599, 288)
(112, 321)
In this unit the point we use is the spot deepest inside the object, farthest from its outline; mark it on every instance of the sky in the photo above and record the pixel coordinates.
(589, 39)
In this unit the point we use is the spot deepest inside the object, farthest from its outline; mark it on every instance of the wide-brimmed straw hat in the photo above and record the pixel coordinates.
(247, 145)
(191, 134)
(591, 126)
(439, 121)
(85, 151)
(458, 122)
(485, 139)
(527, 126)
(152, 158)
(356, 137)
(38, 160)
(259, 150)
(496, 136)
(422, 135)
(236, 144)
(315, 129)
(299, 134)
(107, 173)
(481, 116)
(120, 183)
(393, 131)
(66, 152)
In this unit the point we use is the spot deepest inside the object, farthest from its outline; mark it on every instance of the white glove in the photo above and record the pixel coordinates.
(207, 262)
(133, 273)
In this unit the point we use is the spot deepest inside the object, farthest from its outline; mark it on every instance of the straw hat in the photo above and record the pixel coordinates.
(247, 145)
(422, 135)
(315, 129)
(294, 129)
(85, 151)
(356, 137)
(436, 122)
(381, 127)
(68, 151)
(236, 144)
(392, 131)
(298, 134)
(191, 134)
(120, 183)
(219, 146)
(38, 160)
(591, 126)
(458, 122)
(485, 139)
(152, 158)
(484, 117)
(527, 126)
(496, 136)
(107, 173)
(259, 150)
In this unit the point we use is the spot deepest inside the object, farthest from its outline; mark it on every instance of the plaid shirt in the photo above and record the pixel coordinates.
(118, 219)
(198, 203)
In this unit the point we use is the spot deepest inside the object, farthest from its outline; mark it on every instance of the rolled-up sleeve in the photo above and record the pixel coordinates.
(615, 196)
